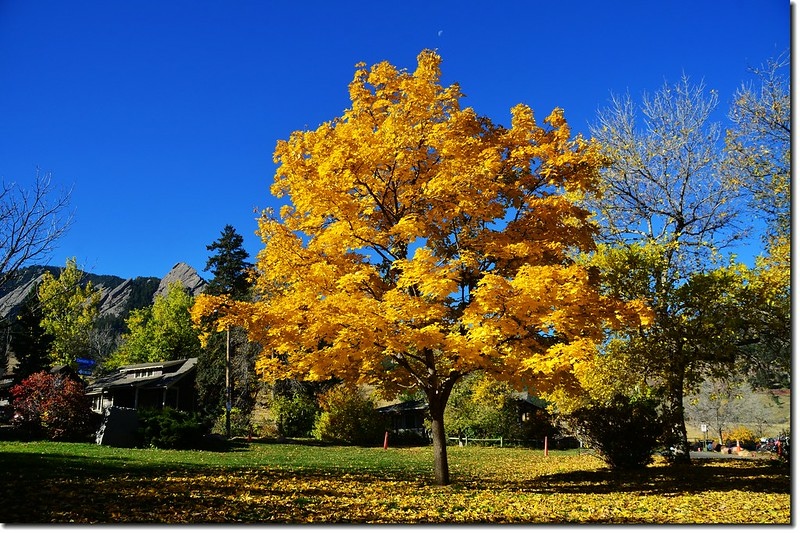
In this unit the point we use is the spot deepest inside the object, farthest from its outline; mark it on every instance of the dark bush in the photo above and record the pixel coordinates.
(170, 429)
(624, 431)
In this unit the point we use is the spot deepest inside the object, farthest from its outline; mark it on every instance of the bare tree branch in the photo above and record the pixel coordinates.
(667, 182)
(31, 223)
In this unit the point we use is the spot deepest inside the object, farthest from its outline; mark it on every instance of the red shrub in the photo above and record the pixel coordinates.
(52, 406)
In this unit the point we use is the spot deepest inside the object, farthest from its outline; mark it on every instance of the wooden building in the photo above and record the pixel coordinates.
(147, 385)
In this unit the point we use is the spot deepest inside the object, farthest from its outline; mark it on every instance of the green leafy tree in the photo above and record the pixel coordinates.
(700, 332)
(482, 407)
(294, 414)
(211, 374)
(170, 429)
(69, 311)
(767, 348)
(294, 405)
(161, 332)
(667, 212)
(624, 430)
(210, 378)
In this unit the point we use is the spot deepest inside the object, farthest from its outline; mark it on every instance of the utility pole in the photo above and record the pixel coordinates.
(228, 386)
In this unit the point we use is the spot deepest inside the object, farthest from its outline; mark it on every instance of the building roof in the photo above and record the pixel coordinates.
(404, 407)
(421, 405)
(159, 375)
(527, 397)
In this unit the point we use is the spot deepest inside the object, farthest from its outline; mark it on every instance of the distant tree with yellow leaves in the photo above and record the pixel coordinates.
(422, 242)
(69, 308)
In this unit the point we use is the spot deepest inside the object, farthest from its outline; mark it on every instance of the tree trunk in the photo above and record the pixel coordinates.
(674, 415)
(441, 471)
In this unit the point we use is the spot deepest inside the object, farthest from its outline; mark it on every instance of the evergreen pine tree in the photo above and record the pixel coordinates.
(229, 266)
(28, 340)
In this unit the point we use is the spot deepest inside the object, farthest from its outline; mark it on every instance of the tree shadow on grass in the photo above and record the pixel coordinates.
(61, 488)
(701, 476)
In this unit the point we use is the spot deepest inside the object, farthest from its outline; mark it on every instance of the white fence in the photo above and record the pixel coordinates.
(464, 441)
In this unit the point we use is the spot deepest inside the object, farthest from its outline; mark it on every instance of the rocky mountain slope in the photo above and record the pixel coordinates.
(118, 296)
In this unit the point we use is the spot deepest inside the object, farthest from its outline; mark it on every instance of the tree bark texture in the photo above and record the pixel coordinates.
(441, 469)
(674, 415)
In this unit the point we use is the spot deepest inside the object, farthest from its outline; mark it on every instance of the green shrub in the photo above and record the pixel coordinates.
(624, 431)
(294, 415)
(482, 407)
(241, 424)
(170, 429)
(349, 418)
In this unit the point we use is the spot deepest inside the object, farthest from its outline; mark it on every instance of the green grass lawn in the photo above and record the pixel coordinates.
(84, 483)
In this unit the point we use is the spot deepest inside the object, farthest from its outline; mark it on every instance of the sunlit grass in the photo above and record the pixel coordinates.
(59, 482)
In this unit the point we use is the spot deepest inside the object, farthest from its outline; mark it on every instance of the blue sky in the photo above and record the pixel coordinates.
(162, 116)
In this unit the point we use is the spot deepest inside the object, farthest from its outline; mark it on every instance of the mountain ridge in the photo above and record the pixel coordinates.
(118, 296)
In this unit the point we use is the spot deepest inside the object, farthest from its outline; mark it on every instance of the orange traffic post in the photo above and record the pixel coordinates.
(545, 446)
(386, 440)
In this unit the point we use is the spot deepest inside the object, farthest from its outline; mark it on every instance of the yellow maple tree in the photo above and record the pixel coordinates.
(423, 242)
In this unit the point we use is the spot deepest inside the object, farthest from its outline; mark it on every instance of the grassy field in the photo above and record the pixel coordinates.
(83, 483)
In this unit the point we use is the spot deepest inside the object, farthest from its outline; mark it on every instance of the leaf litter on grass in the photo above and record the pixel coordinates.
(316, 485)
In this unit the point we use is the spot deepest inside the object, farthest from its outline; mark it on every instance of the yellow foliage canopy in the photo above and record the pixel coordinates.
(69, 311)
(422, 242)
